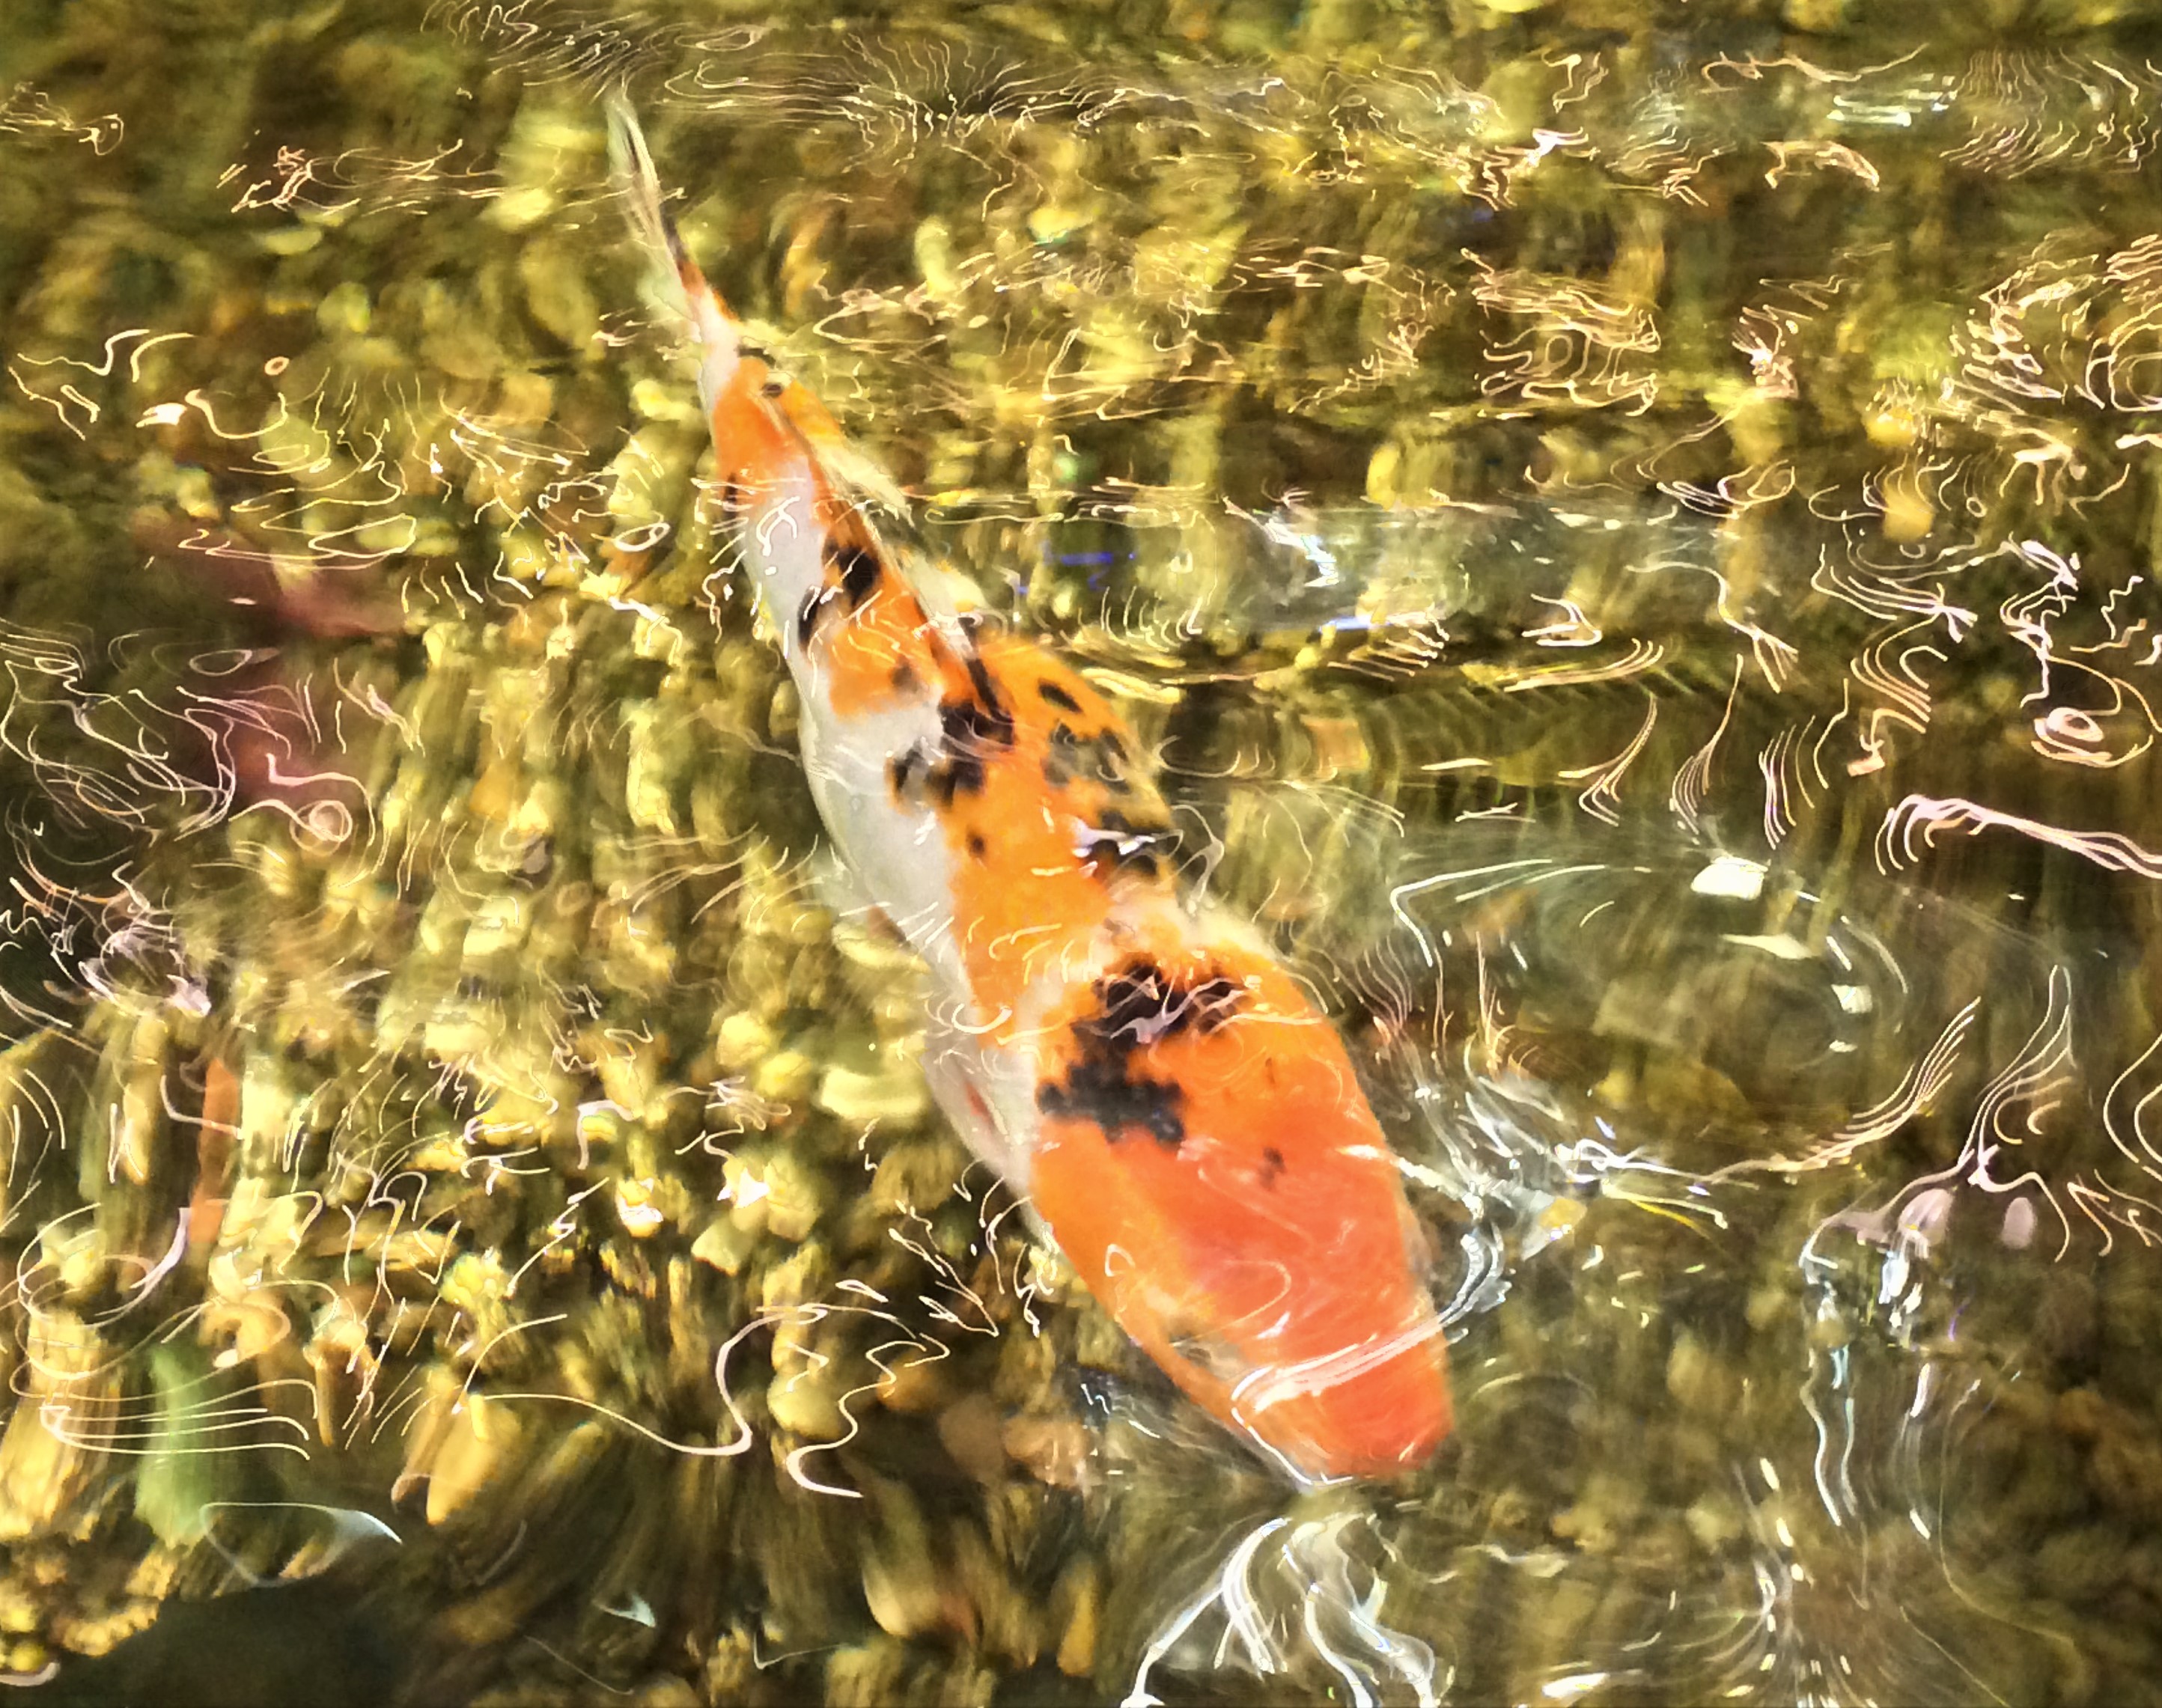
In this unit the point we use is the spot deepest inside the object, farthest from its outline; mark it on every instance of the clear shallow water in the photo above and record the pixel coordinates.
(1630, 535)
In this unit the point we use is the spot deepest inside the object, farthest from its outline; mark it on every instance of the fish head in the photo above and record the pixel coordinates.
(1209, 1164)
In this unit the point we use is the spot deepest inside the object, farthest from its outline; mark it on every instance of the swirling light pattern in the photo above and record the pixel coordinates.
(1685, 706)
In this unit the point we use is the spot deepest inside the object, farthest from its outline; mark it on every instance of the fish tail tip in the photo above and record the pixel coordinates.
(628, 155)
(639, 182)
(631, 165)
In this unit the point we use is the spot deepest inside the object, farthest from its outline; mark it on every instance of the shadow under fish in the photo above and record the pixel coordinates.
(335, 1640)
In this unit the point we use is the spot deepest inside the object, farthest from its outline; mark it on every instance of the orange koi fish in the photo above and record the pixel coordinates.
(1130, 1057)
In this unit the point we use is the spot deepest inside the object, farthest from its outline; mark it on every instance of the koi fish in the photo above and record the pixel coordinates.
(1130, 1056)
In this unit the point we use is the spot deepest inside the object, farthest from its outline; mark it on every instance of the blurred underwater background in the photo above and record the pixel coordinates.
(1630, 530)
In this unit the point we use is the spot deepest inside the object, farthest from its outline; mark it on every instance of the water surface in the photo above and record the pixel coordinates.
(1630, 532)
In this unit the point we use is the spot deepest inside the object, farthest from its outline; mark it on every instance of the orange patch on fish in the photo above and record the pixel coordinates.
(754, 450)
(810, 418)
(879, 652)
(1034, 828)
(1211, 1166)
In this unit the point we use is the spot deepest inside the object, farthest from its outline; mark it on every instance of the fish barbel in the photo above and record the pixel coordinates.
(1130, 1056)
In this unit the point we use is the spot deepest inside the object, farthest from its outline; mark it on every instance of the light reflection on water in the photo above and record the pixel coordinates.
(1632, 549)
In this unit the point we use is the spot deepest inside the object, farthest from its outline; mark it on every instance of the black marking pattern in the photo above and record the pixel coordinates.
(971, 731)
(1100, 759)
(853, 574)
(806, 619)
(994, 707)
(1136, 1007)
(902, 770)
(1119, 843)
(859, 572)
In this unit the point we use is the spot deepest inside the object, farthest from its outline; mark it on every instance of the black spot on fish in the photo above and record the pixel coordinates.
(997, 717)
(1136, 1007)
(773, 388)
(970, 732)
(978, 848)
(1100, 758)
(859, 572)
(807, 618)
(1106, 855)
(1141, 1004)
(904, 678)
(950, 781)
(1062, 764)
(1272, 1164)
(902, 770)
(1117, 843)
(1100, 1091)
(961, 738)
(1056, 696)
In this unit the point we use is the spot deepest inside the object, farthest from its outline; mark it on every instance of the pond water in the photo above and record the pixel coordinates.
(1628, 531)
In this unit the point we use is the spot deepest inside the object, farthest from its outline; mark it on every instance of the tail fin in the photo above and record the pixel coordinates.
(678, 283)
